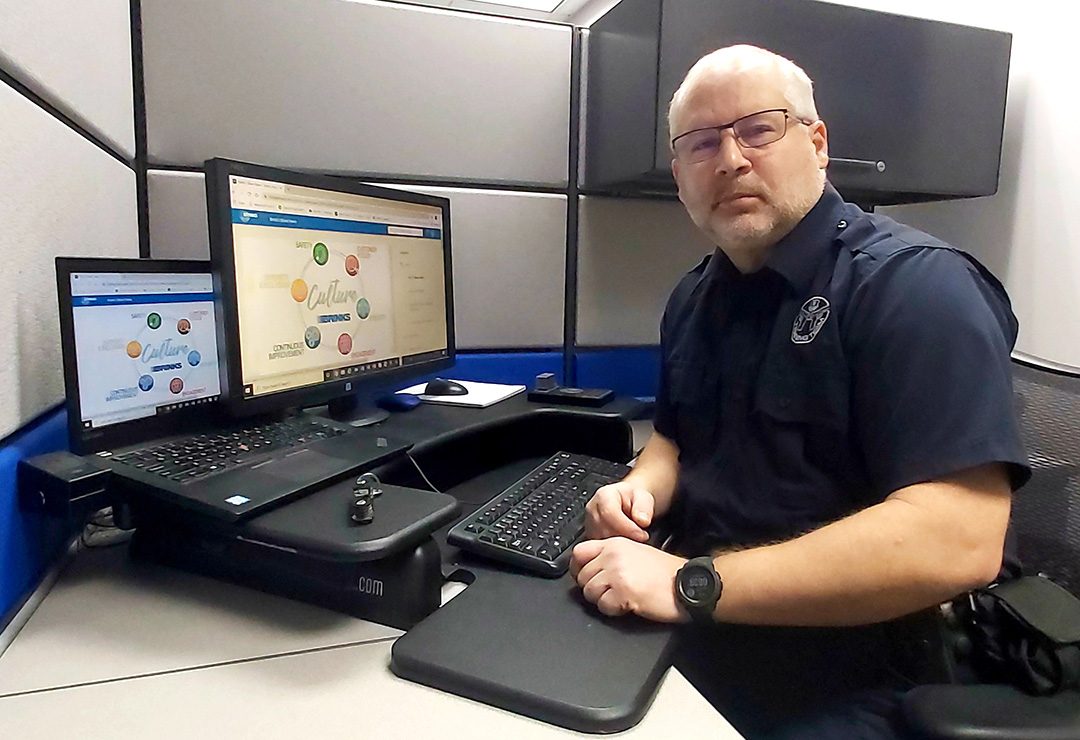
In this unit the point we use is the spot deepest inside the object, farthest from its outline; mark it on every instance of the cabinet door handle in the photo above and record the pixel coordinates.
(877, 164)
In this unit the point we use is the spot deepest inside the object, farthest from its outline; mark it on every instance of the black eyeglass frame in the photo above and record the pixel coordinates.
(738, 139)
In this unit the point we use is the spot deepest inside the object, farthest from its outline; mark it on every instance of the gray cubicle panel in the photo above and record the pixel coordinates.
(60, 195)
(630, 255)
(46, 45)
(508, 251)
(357, 87)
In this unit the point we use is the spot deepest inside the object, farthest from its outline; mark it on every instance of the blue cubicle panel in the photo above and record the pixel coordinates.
(629, 371)
(28, 542)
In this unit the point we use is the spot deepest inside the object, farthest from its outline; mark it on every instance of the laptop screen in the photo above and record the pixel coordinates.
(145, 344)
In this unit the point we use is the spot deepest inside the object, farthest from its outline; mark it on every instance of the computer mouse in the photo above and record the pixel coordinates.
(443, 387)
(399, 402)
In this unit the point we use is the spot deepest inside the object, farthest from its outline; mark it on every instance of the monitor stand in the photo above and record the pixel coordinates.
(351, 410)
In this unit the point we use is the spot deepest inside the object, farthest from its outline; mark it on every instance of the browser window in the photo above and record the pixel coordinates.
(333, 285)
(145, 344)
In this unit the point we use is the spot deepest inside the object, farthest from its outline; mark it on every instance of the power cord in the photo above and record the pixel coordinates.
(421, 472)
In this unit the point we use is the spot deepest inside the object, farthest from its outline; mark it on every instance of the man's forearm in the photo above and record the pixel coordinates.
(657, 470)
(891, 559)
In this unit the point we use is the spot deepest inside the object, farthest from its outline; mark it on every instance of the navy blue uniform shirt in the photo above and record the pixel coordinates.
(865, 356)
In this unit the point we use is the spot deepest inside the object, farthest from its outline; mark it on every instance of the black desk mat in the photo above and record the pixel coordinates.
(534, 646)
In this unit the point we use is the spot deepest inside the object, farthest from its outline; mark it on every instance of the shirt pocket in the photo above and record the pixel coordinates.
(809, 396)
(805, 415)
(693, 393)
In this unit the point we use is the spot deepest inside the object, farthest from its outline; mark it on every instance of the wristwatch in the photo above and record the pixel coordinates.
(698, 587)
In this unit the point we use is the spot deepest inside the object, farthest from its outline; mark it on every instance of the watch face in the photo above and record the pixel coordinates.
(696, 584)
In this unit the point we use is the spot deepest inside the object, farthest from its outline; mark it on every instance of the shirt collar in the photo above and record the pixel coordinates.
(796, 257)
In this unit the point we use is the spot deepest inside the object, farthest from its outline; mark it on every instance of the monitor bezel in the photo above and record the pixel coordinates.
(223, 266)
(122, 433)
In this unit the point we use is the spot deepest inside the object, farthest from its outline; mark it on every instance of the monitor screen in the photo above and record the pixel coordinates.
(140, 348)
(326, 283)
(145, 344)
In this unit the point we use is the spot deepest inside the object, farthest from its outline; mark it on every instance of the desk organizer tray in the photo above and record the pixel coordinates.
(535, 647)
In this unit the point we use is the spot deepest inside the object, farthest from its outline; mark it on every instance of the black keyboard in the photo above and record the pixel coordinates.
(533, 524)
(193, 458)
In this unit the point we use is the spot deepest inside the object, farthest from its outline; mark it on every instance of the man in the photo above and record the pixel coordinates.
(833, 427)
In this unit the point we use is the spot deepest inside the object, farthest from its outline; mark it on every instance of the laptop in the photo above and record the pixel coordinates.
(143, 387)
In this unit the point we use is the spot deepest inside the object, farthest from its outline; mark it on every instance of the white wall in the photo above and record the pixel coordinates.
(76, 55)
(59, 193)
(1028, 233)
(357, 87)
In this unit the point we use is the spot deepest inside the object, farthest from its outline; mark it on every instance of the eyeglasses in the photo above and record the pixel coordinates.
(752, 131)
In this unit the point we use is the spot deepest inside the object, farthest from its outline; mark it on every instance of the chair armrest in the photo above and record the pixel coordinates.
(990, 712)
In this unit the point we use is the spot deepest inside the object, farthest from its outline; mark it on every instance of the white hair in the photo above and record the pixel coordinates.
(796, 86)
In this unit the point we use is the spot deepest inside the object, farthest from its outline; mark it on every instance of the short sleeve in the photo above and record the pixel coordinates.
(929, 336)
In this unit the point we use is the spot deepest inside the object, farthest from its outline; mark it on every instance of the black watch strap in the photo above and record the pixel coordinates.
(698, 588)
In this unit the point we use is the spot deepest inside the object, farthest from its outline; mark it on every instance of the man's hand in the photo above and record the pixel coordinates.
(621, 577)
(619, 510)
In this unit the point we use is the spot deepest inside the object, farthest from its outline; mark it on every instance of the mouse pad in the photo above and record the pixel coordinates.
(535, 647)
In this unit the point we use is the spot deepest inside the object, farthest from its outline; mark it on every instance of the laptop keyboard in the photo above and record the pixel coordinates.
(193, 458)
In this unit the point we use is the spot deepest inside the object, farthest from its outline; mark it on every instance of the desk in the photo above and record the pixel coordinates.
(122, 649)
(126, 649)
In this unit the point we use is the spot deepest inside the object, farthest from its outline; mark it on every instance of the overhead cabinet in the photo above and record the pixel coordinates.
(915, 108)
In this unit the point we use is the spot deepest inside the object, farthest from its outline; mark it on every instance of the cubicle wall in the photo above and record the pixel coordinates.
(60, 193)
(67, 188)
(395, 92)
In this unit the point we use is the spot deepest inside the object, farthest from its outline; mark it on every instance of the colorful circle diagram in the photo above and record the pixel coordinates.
(133, 349)
(363, 308)
(344, 344)
(146, 382)
(312, 337)
(299, 290)
(352, 265)
(183, 326)
(153, 320)
(194, 358)
(176, 385)
(320, 253)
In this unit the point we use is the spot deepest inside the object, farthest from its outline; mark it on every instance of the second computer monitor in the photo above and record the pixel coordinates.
(325, 284)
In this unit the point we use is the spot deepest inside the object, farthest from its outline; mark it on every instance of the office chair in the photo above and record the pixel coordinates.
(1046, 523)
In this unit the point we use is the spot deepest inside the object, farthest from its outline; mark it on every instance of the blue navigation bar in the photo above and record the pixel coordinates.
(141, 298)
(251, 217)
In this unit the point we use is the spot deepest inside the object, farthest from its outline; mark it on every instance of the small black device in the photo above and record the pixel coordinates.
(698, 588)
(569, 396)
(362, 507)
(443, 387)
(533, 524)
(546, 382)
(63, 485)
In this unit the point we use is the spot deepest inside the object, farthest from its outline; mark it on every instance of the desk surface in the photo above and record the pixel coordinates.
(126, 649)
(121, 649)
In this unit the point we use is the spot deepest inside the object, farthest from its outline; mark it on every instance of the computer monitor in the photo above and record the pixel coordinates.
(326, 286)
(139, 348)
